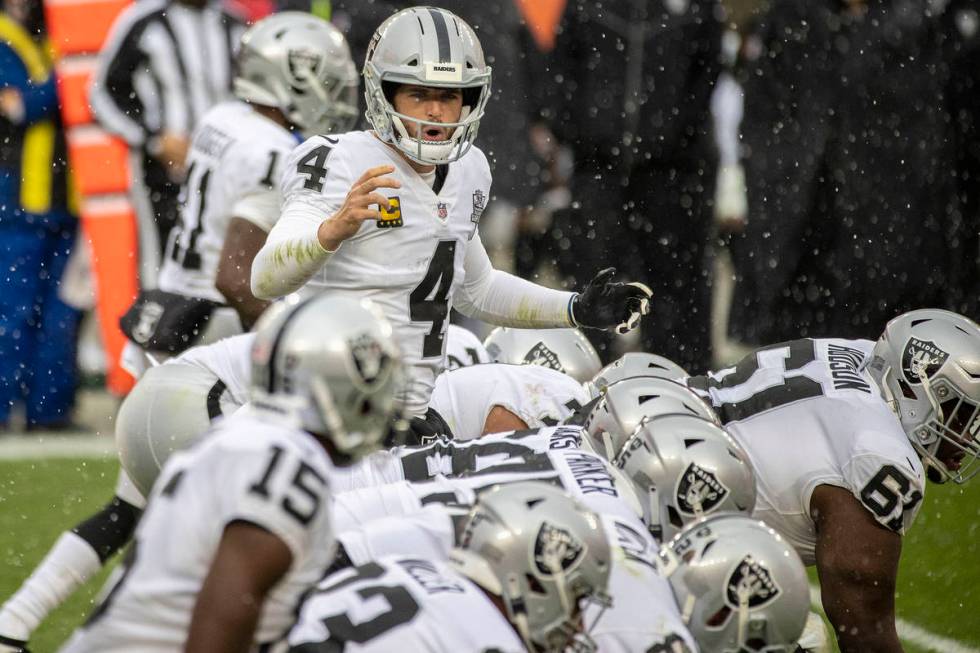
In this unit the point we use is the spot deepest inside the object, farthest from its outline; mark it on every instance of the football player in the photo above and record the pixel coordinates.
(252, 500)
(528, 561)
(838, 432)
(294, 78)
(392, 214)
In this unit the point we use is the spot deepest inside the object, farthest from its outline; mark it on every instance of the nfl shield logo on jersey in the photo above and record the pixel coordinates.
(555, 549)
(541, 355)
(921, 356)
(442, 211)
(751, 579)
(699, 491)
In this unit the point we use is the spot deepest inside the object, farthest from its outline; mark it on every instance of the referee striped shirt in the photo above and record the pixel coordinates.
(163, 66)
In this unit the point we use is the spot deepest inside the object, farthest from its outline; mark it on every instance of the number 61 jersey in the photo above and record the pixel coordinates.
(808, 413)
(410, 262)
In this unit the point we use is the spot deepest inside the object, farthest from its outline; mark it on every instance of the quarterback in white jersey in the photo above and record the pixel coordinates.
(252, 470)
(392, 214)
(499, 397)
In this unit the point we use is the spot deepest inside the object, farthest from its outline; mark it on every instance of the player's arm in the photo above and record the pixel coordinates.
(500, 298)
(311, 226)
(501, 420)
(857, 563)
(249, 562)
(243, 240)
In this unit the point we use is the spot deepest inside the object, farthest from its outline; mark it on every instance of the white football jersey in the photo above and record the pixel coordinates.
(229, 360)
(538, 395)
(642, 617)
(808, 413)
(463, 348)
(410, 263)
(401, 604)
(234, 167)
(459, 475)
(451, 458)
(253, 468)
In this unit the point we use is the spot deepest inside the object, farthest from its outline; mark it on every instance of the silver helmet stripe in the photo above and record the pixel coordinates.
(274, 350)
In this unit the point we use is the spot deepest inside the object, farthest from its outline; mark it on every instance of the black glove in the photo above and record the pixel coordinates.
(16, 645)
(606, 303)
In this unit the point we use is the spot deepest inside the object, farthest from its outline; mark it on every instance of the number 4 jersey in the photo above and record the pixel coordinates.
(251, 469)
(808, 414)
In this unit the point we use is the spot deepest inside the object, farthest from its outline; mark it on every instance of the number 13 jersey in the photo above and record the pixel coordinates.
(410, 262)
(808, 413)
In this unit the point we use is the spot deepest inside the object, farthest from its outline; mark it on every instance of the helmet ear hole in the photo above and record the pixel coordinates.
(907, 390)
(718, 619)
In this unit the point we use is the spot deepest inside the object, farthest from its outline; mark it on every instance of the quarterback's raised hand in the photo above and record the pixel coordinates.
(606, 304)
(357, 207)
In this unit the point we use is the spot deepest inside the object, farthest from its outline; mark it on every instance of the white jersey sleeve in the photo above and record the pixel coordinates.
(400, 604)
(260, 208)
(888, 486)
(537, 395)
(500, 298)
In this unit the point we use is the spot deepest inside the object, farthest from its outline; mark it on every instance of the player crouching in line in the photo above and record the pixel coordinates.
(530, 559)
(238, 527)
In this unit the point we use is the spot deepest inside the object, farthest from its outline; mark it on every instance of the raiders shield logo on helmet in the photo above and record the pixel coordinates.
(752, 581)
(541, 355)
(150, 314)
(303, 65)
(699, 491)
(369, 358)
(555, 549)
(921, 356)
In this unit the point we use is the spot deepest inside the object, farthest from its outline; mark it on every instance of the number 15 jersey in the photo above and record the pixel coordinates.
(411, 262)
(808, 413)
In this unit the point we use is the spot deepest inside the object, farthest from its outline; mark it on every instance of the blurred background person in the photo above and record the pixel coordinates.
(37, 228)
(849, 163)
(634, 81)
(164, 64)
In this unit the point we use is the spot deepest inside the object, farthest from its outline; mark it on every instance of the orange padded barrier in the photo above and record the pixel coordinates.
(110, 227)
(73, 82)
(80, 26)
(99, 161)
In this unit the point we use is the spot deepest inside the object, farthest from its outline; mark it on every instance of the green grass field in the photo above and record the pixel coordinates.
(939, 583)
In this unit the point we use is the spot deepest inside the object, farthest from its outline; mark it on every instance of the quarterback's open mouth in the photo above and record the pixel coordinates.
(435, 134)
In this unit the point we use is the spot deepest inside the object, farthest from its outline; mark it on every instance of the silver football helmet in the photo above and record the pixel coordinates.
(740, 587)
(542, 553)
(301, 65)
(463, 348)
(565, 350)
(683, 468)
(927, 364)
(636, 363)
(425, 46)
(625, 404)
(330, 363)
